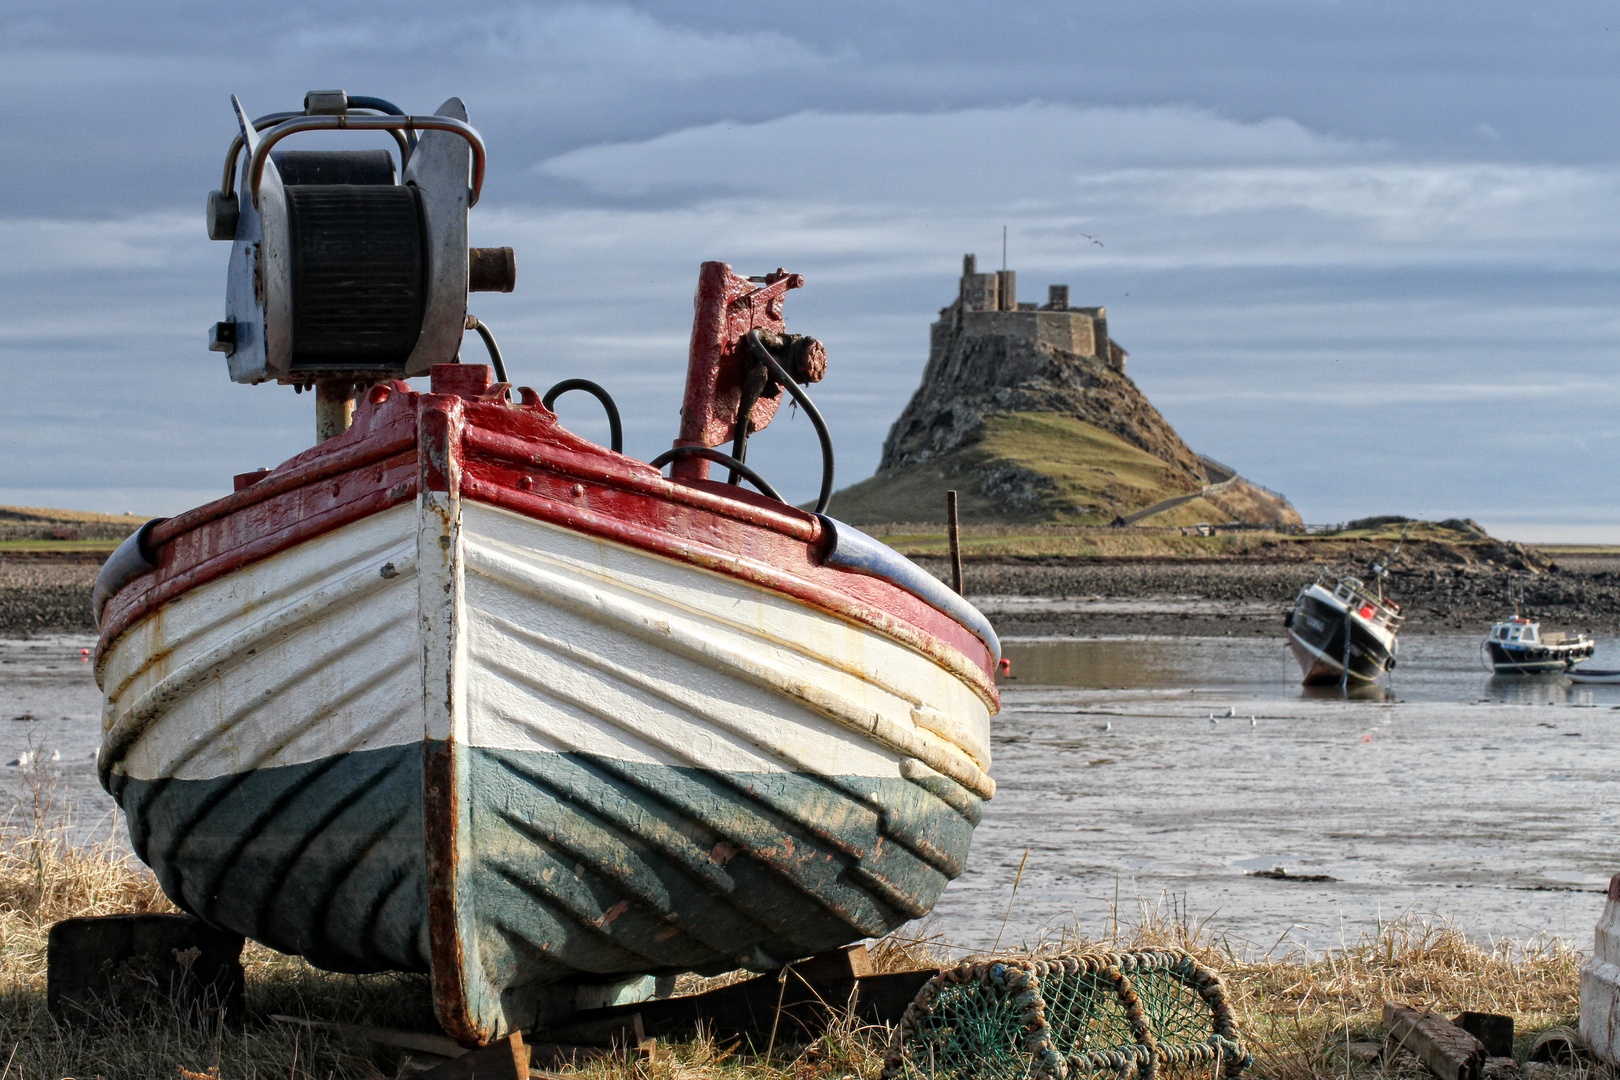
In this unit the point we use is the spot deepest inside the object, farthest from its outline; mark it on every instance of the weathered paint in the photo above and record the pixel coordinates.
(520, 732)
(581, 864)
(725, 308)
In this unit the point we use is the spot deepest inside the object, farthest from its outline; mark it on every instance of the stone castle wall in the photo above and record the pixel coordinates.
(987, 306)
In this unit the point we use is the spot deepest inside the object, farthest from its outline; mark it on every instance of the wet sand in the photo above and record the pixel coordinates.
(1498, 816)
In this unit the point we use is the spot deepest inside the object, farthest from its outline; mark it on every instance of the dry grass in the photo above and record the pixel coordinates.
(1300, 1012)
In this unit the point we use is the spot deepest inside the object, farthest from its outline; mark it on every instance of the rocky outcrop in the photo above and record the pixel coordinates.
(971, 377)
(1027, 412)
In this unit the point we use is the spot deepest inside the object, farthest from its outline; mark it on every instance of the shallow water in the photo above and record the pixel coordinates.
(1166, 771)
(1131, 772)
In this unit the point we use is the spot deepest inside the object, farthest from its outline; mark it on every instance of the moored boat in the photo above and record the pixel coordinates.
(459, 692)
(1517, 646)
(1592, 675)
(1342, 632)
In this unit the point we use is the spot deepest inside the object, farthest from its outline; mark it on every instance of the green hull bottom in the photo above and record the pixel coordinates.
(573, 866)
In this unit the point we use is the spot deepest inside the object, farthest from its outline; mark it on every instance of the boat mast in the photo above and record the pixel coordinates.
(1381, 570)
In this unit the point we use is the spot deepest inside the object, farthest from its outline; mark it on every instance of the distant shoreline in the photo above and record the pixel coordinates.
(49, 592)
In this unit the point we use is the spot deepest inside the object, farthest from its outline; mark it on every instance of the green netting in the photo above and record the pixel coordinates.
(1148, 1012)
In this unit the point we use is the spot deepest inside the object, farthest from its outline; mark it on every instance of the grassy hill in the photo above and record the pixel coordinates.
(35, 528)
(1036, 467)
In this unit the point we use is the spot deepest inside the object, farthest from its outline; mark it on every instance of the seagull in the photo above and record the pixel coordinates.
(1231, 710)
(22, 760)
(1108, 726)
(1251, 721)
(1212, 719)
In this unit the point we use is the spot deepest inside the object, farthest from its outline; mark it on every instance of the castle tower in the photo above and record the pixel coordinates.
(987, 305)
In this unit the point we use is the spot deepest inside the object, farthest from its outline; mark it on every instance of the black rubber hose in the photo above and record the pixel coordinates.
(719, 458)
(382, 105)
(615, 428)
(473, 323)
(810, 410)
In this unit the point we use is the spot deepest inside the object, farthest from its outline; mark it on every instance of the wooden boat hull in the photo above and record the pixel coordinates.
(453, 737)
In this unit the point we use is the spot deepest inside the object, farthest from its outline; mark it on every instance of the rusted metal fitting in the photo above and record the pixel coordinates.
(491, 269)
(803, 356)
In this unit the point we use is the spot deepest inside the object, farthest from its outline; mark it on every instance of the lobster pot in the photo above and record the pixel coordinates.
(1150, 1012)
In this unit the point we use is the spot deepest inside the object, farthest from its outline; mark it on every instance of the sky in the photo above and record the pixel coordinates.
(1364, 253)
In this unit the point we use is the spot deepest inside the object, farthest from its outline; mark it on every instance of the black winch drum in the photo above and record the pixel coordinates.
(359, 268)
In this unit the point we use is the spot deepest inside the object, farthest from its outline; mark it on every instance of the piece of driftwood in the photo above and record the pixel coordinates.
(420, 1041)
(792, 1004)
(504, 1059)
(1446, 1049)
(432, 1050)
(1492, 1029)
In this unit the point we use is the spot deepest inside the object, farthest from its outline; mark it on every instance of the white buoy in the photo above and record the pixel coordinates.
(1600, 982)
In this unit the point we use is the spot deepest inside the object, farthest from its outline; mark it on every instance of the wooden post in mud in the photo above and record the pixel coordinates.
(953, 528)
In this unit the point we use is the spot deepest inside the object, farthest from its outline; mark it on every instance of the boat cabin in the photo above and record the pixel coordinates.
(1517, 630)
(1354, 596)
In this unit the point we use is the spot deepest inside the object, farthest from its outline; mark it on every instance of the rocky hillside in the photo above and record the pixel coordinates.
(1027, 429)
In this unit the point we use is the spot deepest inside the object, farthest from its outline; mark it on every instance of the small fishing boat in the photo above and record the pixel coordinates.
(457, 691)
(1517, 646)
(1592, 675)
(1342, 632)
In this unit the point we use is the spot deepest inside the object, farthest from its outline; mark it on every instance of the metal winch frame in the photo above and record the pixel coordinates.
(344, 272)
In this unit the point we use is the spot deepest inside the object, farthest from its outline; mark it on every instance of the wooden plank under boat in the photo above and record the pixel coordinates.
(462, 693)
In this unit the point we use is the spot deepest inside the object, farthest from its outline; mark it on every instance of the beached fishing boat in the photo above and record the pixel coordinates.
(1342, 632)
(457, 691)
(1517, 646)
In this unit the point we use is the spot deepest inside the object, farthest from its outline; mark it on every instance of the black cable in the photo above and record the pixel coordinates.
(810, 410)
(473, 323)
(615, 429)
(719, 458)
(377, 104)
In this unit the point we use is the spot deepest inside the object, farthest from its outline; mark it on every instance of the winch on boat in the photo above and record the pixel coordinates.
(457, 691)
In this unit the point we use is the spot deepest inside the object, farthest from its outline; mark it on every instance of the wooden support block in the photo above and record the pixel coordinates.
(1494, 1030)
(506, 1059)
(1446, 1049)
(137, 964)
(796, 1003)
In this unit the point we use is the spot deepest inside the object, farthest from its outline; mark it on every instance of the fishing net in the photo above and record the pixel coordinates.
(1154, 1012)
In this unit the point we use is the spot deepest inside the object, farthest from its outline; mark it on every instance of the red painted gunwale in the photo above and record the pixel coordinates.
(518, 458)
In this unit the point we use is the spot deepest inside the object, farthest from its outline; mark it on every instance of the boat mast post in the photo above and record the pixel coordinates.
(334, 407)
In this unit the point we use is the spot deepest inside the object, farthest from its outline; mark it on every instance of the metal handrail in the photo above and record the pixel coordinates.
(300, 123)
(228, 181)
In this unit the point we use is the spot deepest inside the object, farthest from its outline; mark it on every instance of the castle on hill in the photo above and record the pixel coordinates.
(1026, 411)
(987, 305)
